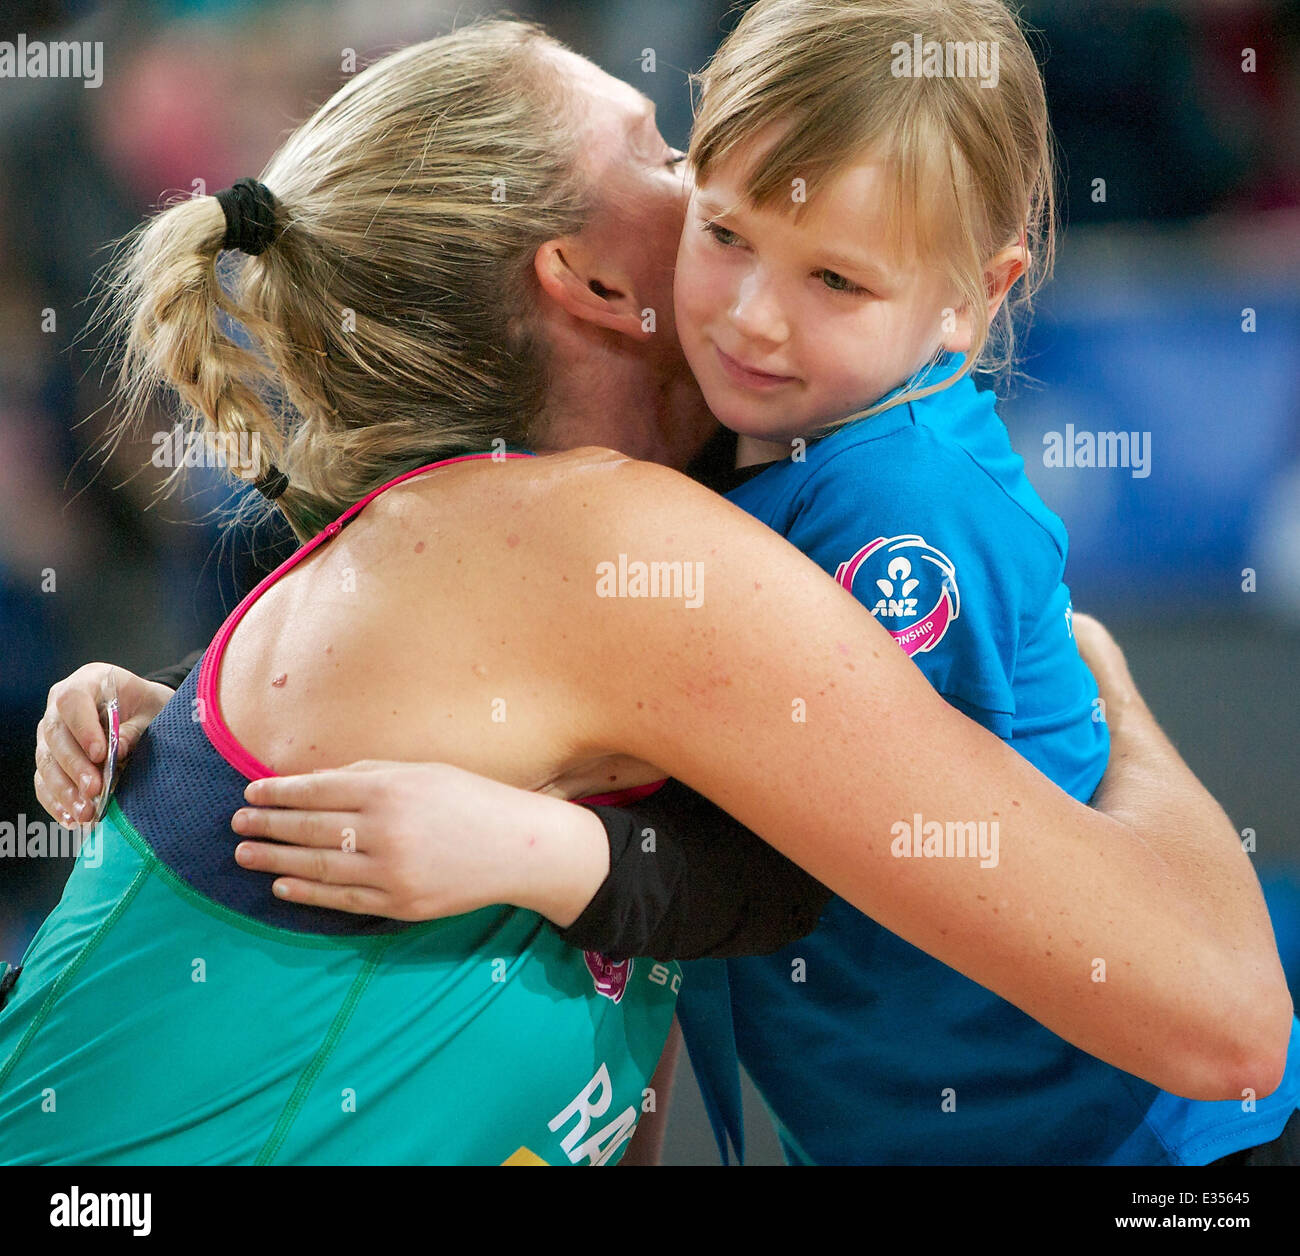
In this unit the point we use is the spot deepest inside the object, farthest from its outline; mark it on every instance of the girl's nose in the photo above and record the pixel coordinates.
(756, 312)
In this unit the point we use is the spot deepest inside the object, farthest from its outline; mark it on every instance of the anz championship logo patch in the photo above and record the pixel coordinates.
(914, 586)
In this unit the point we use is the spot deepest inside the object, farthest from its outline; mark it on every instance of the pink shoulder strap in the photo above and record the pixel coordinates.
(222, 739)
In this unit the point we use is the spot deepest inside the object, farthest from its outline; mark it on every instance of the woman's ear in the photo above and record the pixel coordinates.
(1000, 275)
(577, 284)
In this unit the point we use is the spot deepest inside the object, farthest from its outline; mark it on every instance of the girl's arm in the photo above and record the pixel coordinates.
(672, 876)
(1141, 937)
(686, 881)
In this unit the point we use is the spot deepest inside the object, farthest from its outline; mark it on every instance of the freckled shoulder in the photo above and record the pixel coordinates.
(568, 501)
(535, 534)
(599, 496)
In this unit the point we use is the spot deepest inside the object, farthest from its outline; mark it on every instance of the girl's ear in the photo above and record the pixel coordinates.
(1000, 276)
(573, 279)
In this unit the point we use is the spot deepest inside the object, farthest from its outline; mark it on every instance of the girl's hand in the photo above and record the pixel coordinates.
(70, 738)
(419, 841)
(1105, 660)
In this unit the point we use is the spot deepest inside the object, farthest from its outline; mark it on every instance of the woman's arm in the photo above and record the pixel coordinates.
(647, 1145)
(1141, 937)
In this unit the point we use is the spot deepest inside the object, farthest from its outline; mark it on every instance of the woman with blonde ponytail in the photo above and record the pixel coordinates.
(386, 298)
(455, 279)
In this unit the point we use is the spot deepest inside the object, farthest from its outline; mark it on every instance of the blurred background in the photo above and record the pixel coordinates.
(1175, 315)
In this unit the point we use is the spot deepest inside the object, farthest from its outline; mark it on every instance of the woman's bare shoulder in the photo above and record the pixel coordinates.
(575, 498)
(608, 468)
(612, 495)
(532, 528)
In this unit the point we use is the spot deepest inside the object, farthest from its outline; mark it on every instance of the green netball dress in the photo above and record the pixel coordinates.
(172, 1010)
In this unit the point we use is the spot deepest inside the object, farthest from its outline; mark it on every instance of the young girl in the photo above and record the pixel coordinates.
(862, 210)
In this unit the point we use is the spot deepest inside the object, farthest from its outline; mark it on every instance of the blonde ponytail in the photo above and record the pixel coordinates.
(391, 322)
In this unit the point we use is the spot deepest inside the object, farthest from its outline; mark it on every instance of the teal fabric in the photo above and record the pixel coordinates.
(150, 1025)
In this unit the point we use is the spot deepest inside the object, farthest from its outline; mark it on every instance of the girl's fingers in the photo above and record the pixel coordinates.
(354, 898)
(328, 830)
(338, 790)
(71, 757)
(57, 794)
(330, 867)
(56, 808)
(76, 708)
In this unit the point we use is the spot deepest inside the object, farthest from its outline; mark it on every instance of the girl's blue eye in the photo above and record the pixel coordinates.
(676, 159)
(837, 283)
(724, 237)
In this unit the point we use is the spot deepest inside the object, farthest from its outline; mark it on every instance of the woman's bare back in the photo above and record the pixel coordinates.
(413, 635)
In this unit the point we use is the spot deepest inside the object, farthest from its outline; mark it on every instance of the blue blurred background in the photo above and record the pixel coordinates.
(1175, 314)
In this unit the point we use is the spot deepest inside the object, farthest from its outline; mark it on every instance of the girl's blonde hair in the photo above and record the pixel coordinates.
(391, 323)
(972, 165)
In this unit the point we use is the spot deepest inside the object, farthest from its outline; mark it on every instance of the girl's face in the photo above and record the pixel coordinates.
(790, 327)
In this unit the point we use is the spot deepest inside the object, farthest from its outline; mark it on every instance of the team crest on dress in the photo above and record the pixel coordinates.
(913, 587)
(611, 976)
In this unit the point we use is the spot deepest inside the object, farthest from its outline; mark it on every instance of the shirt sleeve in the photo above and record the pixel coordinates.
(174, 676)
(687, 881)
(924, 538)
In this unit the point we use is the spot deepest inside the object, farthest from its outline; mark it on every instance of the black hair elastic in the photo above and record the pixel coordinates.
(249, 207)
(272, 483)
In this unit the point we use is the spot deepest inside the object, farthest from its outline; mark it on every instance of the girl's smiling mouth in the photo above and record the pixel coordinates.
(747, 377)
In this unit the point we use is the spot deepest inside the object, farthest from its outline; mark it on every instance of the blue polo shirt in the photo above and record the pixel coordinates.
(864, 1048)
